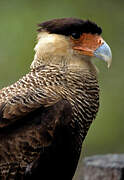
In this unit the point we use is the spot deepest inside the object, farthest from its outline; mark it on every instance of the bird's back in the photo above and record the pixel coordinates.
(31, 145)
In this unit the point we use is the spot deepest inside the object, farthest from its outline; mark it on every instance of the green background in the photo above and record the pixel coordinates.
(18, 21)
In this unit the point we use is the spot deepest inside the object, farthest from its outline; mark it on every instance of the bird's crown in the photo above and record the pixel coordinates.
(67, 26)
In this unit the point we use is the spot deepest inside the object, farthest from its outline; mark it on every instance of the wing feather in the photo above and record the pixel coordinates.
(27, 95)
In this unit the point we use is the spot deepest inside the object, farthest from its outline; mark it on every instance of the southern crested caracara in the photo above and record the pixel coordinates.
(45, 116)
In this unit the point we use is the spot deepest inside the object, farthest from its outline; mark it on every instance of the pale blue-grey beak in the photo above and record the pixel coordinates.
(104, 53)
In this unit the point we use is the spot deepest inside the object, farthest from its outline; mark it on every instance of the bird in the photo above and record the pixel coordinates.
(45, 115)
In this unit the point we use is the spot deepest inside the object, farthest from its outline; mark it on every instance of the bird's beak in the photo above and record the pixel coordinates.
(104, 52)
(94, 45)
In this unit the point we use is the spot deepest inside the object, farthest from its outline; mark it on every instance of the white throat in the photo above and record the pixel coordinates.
(57, 49)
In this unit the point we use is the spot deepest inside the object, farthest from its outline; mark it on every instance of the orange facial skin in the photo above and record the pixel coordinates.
(87, 43)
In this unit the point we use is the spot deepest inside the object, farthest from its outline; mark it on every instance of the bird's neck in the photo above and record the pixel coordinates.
(74, 63)
(49, 51)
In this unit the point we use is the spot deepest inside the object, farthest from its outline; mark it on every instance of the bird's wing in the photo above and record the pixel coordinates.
(31, 121)
(20, 105)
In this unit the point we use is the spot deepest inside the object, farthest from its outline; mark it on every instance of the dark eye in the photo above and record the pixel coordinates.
(76, 35)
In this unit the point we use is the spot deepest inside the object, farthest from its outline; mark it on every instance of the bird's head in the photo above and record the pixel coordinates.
(70, 41)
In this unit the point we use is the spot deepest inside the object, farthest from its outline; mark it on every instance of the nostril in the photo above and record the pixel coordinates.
(100, 42)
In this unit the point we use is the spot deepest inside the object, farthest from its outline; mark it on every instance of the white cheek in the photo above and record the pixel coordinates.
(44, 42)
(51, 44)
(42, 47)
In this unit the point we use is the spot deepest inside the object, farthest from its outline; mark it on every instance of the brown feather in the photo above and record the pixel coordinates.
(25, 131)
(45, 116)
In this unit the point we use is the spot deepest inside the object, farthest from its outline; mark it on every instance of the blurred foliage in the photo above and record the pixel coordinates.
(18, 21)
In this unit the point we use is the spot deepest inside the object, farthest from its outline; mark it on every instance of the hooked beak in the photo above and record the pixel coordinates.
(93, 45)
(104, 52)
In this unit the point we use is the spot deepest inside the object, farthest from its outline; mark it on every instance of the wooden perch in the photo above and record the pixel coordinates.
(103, 167)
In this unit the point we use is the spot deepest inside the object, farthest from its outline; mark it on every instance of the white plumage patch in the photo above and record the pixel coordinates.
(58, 49)
(51, 43)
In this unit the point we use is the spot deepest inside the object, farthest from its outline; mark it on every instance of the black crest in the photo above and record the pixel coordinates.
(67, 26)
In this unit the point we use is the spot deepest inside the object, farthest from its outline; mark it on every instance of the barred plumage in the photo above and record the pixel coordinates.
(46, 86)
(45, 115)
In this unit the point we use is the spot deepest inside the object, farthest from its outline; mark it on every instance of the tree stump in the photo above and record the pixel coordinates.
(103, 167)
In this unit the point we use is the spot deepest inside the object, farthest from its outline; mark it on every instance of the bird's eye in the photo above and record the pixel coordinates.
(75, 35)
